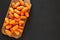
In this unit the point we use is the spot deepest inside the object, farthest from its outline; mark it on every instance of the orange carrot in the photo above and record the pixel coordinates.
(17, 4)
(12, 22)
(15, 27)
(17, 11)
(11, 9)
(8, 26)
(16, 32)
(16, 15)
(20, 8)
(8, 32)
(21, 2)
(26, 14)
(13, 5)
(23, 17)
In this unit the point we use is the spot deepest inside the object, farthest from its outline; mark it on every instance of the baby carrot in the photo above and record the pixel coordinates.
(21, 22)
(20, 8)
(6, 20)
(5, 24)
(8, 32)
(22, 13)
(10, 16)
(16, 15)
(17, 4)
(15, 27)
(23, 17)
(11, 9)
(16, 23)
(21, 2)
(17, 19)
(24, 9)
(8, 26)
(21, 27)
(16, 32)
(20, 30)
(12, 22)
(12, 31)
(10, 13)
(17, 11)
(27, 5)
(13, 5)
(26, 14)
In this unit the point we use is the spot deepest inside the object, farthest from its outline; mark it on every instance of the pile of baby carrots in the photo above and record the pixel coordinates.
(15, 20)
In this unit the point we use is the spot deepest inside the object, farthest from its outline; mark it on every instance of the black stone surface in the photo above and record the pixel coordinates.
(43, 23)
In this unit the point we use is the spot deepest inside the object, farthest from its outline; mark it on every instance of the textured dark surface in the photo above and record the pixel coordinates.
(43, 23)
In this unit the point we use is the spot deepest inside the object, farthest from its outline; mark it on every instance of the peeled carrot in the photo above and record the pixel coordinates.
(21, 2)
(21, 30)
(17, 19)
(17, 11)
(27, 5)
(22, 13)
(7, 20)
(16, 15)
(13, 5)
(15, 27)
(16, 23)
(18, 29)
(11, 17)
(5, 24)
(8, 26)
(23, 17)
(16, 32)
(25, 9)
(17, 4)
(11, 9)
(20, 7)
(8, 32)
(12, 22)
(12, 31)
(26, 14)
(10, 13)
(21, 27)
(21, 22)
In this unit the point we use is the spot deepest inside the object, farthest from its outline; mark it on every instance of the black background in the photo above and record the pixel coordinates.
(43, 23)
